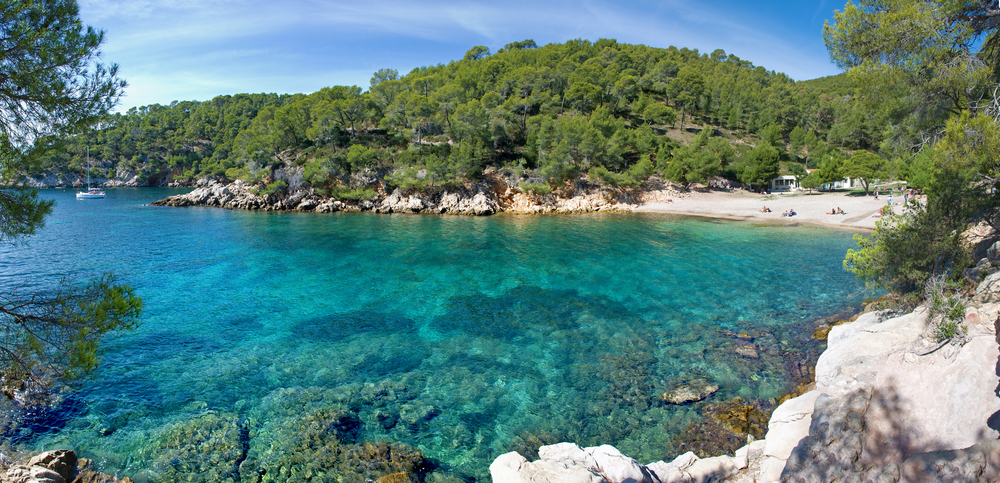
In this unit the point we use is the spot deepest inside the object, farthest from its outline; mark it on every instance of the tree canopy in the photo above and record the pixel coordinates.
(50, 87)
(553, 113)
(930, 68)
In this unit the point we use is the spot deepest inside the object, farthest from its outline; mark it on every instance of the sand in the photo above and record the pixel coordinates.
(809, 207)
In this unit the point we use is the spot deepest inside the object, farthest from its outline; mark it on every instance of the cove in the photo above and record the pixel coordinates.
(464, 337)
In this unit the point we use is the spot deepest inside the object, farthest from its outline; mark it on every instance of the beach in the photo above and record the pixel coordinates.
(809, 207)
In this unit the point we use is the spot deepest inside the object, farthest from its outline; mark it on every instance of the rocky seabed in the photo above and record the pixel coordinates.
(889, 405)
(487, 198)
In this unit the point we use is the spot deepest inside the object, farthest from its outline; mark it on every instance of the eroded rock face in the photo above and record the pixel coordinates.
(885, 400)
(488, 197)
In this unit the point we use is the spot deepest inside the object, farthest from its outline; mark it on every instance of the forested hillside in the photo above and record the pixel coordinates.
(615, 113)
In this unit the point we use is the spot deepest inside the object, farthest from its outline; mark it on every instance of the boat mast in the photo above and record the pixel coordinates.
(88, 168)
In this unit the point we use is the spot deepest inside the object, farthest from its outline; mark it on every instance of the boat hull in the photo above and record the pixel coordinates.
(89, 196)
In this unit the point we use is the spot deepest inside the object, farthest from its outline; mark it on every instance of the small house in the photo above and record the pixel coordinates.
(784, 183)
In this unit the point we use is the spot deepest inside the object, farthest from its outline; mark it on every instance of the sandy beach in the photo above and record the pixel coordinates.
(809, 207)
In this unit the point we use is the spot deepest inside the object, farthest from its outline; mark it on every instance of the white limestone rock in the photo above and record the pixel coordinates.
(618, 468)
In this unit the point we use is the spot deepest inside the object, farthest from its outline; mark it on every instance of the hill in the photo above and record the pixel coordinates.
(611, 112)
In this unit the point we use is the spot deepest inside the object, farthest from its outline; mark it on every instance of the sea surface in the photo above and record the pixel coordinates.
(463, 337)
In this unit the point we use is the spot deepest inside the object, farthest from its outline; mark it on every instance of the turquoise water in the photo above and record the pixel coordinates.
(464, 337)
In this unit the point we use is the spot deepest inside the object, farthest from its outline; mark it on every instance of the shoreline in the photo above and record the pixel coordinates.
(859, 212)
(810, 208)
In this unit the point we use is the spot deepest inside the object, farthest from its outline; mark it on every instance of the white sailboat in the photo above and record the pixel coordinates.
(91, 193)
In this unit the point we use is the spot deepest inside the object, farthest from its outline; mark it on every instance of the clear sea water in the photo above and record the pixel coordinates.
(465, 337)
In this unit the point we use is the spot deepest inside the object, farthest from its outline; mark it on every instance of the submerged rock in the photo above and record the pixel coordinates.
(690, 391)
(308, 434)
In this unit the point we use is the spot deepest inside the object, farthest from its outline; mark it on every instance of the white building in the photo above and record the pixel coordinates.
(784, 183)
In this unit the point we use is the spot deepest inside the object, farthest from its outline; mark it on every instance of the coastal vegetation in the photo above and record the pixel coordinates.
(50, 87)
(937, 85)
(607, 113)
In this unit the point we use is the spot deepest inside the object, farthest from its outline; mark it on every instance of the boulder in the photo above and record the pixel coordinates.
(32, 474)
(558, 463)
(62, 461)
(616, 467)
(988, 290)
(690, 391)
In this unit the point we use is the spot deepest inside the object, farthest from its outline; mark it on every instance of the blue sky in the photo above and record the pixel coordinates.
(198, 49)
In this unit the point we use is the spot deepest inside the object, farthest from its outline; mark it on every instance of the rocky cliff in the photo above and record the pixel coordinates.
(889, 404)
(493, 195)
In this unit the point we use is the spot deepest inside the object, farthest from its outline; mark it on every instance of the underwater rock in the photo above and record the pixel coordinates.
(747, 349)
(739, 417)
(206, 448)
(724, 428)
(386, 419)
(691, 391)
(417, 413)
(309, 434)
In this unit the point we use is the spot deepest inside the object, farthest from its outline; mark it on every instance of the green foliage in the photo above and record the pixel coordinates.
(656, 113)
(771, 136)
(535, 187)
(761, 165)
(56, 335)
(631, 178)
(478, 52)
(409, 179)
(945, 308)
(355, 194)
(864, 166)
(52, 87)
(915, 61)
(797, 140)
(705, 157)
(811, 181)
(275, 187)
(564, 108)
(905, 251)
(22, 213)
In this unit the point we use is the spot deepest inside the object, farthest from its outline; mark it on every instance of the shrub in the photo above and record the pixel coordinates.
(945, 308)
(537, 187)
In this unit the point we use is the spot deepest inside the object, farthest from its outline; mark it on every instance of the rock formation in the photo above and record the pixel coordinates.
(60, 466)
(493, 195)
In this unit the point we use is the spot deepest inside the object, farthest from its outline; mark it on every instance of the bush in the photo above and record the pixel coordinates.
(945, 308)
(537, 187)
(275, 187)
(355, 194)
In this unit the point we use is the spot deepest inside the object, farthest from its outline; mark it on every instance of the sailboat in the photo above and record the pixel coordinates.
(91, 193)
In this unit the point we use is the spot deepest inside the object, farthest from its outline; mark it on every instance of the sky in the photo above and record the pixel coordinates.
(185, 50)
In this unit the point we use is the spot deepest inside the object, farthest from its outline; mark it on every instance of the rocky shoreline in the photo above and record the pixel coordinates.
(888, 404)
(494, 195)
(59, 466)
